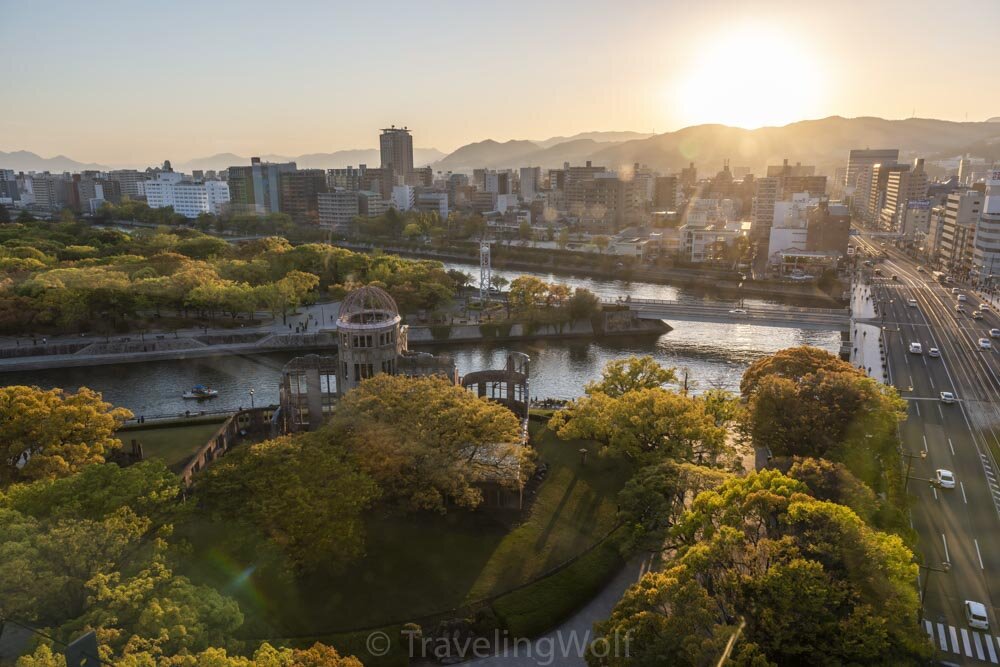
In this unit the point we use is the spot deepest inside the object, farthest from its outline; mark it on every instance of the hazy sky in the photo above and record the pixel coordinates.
(136, 82)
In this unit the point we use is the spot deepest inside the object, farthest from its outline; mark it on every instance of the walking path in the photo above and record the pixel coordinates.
(565, 646)
(866, 339)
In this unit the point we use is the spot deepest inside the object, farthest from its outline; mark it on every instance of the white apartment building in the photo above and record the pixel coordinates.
(189, 198)
(337, 209)
(531, 182)
(403, 197)
(986, 255)
(433, 202)
(790, 228)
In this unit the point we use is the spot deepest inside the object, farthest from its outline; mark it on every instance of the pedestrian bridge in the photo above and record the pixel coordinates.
(764, 315)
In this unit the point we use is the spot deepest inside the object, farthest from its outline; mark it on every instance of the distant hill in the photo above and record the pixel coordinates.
(824, 142)
(595, 136)
(28, 161)
(335, 160)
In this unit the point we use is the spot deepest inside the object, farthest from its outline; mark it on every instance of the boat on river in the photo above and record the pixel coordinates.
(200, 391)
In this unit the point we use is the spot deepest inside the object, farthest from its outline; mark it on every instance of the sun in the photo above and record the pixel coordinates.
(750, 76)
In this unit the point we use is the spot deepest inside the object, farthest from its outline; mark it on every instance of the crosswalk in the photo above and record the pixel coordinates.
(962, 641)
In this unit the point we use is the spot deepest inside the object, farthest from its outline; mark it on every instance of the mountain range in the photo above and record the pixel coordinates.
(823, 142)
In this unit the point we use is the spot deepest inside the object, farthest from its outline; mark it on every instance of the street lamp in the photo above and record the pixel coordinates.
(945, 568)
(251, 399)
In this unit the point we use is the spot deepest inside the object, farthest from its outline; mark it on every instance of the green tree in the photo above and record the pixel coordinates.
(630, 374)
(792, 363)
(527, 293)
(428, 443)
(601, 243)
(4, 215)
(49, 433)
(583, 304)
(306, 496)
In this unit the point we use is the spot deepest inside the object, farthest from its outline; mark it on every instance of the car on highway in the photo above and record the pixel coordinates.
(737, 311)
(959, 308)
(975, 615)
(954, 290)
(977, 314)
(985, 344)
(944, 478)
(994, 333)
(916, 348)
(895, 277)
(962, 298)
(920, 269)
(934, 352)
(984, 306)
(947, 397)
(912, 303)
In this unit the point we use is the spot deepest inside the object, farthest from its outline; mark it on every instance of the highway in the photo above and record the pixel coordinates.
(959, 528)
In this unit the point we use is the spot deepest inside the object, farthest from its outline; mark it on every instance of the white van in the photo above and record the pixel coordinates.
(916, 348)
(975, 614)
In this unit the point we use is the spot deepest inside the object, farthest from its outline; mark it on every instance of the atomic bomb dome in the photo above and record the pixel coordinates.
(368, 306)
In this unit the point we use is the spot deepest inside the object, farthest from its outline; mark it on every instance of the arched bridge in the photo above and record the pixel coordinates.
(762, 315)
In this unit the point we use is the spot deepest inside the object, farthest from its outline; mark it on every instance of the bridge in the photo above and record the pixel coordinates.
(764, 315)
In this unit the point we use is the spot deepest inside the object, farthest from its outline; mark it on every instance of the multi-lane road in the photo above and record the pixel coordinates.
(959, 528)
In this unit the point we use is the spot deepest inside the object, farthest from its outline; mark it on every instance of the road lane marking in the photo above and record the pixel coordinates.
(989, 646)
(945, 540)
(941, 412)
(954, 639)
(929, 628)
(979, 646)
(934, 491)
(966, 643)
(925, 442)
(942, 636)
(962, 486)
(911, 379)
(917, 406)
(951, 447)
(978, 555)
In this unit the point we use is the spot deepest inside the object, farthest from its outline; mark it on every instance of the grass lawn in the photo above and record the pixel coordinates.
(416, 565)
(172, 443)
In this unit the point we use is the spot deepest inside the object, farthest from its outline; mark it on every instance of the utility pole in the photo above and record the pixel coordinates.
(485, 272)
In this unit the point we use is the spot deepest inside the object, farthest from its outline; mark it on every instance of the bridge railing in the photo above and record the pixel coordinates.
(763, 308)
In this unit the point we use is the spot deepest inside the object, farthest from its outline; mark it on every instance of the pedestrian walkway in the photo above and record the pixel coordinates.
(866, 339)
(963, 641)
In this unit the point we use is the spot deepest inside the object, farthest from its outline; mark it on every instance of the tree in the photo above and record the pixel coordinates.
(317, 655)
(527, 293)
(428, 443)
(305, 495)
(54, 434)
(630, 374)
(813, 583)
(644, 424)
(563, 238)
(583, 304)
(4, 215)
(524, 230)
(832, 481)
(792, 363)
(601, 243)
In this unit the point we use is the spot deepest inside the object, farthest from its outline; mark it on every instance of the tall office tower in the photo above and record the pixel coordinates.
(905, 195)
(859, 159)
(762, 212)
(986, 256)
(665, 191)
(877, 189)
(257, 188)
(52, 191)
(9, 192)
(531, 182)
(130, 181)
(299, 190)
(396, 149)
(955, 245)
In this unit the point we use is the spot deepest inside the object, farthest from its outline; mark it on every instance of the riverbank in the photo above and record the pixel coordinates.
(710, 281)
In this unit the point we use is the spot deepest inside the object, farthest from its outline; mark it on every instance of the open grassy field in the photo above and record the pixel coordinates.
(417, 565)
(172, 443)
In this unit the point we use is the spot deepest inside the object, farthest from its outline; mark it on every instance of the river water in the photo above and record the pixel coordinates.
(715, 355)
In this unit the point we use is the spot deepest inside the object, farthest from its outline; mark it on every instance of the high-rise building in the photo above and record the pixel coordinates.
(337, 209)
(257, 188)
(531, 182)
(9, 191)
(403, 197)
(859, 159)
(433, 202)
(986, 256)
(796, 179)
(829, 227)
(188, 198)
(762, 211)
(130, 182)
(877, 189)
(689, 175)
(956, 247)
(51, 191)
(666, 190)
(396, 150)
(298, 192)
(905, 205)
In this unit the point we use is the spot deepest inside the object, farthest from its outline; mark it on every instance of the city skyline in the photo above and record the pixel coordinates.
(147, 84)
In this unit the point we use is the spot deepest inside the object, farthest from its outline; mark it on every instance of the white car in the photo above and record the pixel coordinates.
(912, 303)
(934, 352)
(737, 311)
(954, 290)
(984, 306)
(975, 615)
(959, 308)
(920, 269)
(962, 298)
(984, 344)
(945, 478)
(947, 397)
(916, 348)
(977, 314)
(994, 333)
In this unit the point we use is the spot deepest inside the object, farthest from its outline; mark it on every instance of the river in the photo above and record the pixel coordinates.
(714, 355)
